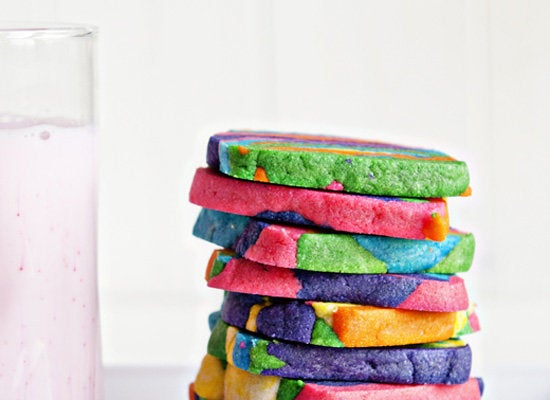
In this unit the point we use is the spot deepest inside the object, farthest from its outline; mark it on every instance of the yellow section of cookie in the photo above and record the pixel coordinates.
(241, 385)
(210, 379)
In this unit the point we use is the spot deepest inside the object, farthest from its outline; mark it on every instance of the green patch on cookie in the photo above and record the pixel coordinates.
(259, 356)
(218, 265)
(216, 343)
(318, 252)
(289, 389)
(323, 335)
(459, 259)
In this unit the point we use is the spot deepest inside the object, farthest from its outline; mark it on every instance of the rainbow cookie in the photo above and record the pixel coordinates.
(343, 324)
(410, 292)
(386, 216)
(337, 163)
(219, 227)
(447, 362)
(242, 385)
(316, 250)
(209, 383)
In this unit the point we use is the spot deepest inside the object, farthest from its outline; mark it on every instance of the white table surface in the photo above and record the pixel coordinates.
(171, 383)
(148, 383)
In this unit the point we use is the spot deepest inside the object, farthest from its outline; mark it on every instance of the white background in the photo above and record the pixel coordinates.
(471, 78)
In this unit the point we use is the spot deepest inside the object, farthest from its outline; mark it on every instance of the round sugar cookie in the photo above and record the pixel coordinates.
(373, 215)
(343, 324)
(447, 362)
(337, 163)
(313, 249)
(421, 292)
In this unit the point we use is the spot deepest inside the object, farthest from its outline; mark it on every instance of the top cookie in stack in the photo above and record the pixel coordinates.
(327, 240)
(340, 164)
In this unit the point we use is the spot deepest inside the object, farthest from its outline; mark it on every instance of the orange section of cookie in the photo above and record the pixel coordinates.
(391, 326)
(437, 226)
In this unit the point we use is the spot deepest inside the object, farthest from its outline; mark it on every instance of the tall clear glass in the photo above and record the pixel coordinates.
(49, 325)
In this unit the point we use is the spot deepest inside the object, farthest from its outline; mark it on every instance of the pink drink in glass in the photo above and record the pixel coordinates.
(49, 327)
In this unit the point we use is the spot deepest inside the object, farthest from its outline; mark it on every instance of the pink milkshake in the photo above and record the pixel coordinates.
(49, 326)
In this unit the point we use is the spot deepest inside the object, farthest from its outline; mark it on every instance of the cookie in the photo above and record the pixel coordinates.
(447, 362)
(421, 292)
(343, 324)
(209, 383)
(338, 164)
(242, 385)
(374, 215)
(312, 249)
(219, 227)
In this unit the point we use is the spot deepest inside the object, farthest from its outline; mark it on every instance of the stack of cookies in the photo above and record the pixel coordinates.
(338, 266)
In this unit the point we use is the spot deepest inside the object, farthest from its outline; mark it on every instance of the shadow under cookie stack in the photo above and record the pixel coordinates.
(339, 270)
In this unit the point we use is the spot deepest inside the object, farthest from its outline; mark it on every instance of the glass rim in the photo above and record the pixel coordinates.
(45, 30)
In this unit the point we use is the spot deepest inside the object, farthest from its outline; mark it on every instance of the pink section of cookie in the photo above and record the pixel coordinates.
(276, 245)
(339, 211)
(268, 281)
(474, 322)
(431, 295)
(375, 391)
(335, 186)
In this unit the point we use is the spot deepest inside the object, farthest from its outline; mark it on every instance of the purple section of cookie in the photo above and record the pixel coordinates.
(382, 290)
(288, 217)
(291, 321)
(236, 307)
(212, 153)
(481, 385)
(249, 236)
(388, 365)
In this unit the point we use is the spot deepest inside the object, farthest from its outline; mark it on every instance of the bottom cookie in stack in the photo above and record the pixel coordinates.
(218, 380)
(240, 365)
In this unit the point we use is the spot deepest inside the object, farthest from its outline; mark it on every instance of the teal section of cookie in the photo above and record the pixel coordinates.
(218, 227)
(379, 254)
(242, 353)
(336, 253)
(213, 318)
(341, 164)
(401, 256)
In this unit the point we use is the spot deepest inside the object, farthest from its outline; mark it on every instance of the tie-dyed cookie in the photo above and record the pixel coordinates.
(312, 249)
(343, 324)
(421, 292)
(374, 215)
(338, 164)
(236, 384)
(447, 362)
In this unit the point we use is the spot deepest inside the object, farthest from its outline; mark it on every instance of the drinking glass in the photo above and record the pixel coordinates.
(49, 325)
